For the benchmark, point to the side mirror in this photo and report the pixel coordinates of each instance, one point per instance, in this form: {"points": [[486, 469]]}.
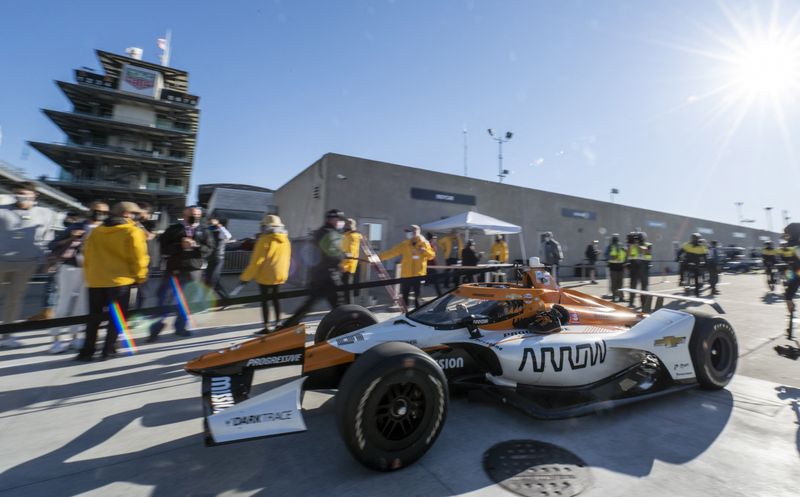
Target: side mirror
{"points": [[472, 321]]}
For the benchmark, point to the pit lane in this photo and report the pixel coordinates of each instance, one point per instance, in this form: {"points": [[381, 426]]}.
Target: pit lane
{"points": [[132, 426]]}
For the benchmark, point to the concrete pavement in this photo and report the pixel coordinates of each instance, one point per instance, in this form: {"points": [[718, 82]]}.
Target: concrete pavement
{"points": [[132, 426]]}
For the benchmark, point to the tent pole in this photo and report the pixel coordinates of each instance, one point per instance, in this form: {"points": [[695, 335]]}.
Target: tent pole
{"points": [[522, 246]]}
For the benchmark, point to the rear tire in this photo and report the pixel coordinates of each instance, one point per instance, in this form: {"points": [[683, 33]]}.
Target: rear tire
{"points": [[714, 351], [342, 320], [391, 406]]}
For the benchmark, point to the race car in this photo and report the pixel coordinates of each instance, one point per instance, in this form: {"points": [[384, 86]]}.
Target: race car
{"points": [[550, 351]]}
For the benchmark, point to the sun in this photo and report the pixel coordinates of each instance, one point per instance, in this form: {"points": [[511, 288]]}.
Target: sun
{"points": [[765, 67]]}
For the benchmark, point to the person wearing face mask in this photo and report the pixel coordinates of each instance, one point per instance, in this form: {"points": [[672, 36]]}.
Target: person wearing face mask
{"points": [[72, 298], [25, 230], [269, 266], [414, 251], [324, 275], [186, 245], [114, 259]]}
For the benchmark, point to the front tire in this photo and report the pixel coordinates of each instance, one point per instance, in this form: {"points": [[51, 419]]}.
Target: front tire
{"points": [[391, 406], [714, 351], [343, 320]]}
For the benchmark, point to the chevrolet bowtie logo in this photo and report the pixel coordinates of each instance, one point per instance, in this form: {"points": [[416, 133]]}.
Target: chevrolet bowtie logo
{"points": [[669, 341]]}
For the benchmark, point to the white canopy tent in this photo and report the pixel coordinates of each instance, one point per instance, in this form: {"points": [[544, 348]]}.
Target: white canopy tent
{"points": [[475, 221]]}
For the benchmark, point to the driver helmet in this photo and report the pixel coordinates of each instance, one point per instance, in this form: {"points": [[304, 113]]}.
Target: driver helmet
{"points": [[695, 238], [768, 244]]}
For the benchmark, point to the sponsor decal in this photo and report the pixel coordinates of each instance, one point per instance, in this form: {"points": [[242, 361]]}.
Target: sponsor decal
{"points": [[490, 295], [577, 357], [451, 362], [514, 333], [527, 296], [669, 341], [266, 417], [221, 394], [278, 359], [573, 317], [350, 339]]}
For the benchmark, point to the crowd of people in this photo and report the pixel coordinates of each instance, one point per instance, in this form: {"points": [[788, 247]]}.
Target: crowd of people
{"points": [[96, 262]]}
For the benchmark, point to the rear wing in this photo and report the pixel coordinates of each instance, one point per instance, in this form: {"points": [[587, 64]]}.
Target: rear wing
{"points": [[648, 307]]}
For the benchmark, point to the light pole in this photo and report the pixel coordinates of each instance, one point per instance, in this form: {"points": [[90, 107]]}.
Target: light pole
{"points": [[768, 210], [739, 210], [614, 191], [465, 150], [501, 173]]}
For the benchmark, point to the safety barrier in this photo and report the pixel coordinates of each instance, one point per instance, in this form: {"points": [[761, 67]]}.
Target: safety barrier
{"points": [[455, 272]]}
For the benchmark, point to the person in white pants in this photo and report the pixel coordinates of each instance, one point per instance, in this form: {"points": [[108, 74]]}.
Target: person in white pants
{"points": [[73, 296]]}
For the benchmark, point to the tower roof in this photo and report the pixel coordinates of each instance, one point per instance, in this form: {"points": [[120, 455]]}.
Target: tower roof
{"points": [[173, 78]]}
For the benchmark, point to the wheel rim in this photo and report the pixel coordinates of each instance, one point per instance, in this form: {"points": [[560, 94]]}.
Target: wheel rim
{"points": [[720, 354], [400, 411]]}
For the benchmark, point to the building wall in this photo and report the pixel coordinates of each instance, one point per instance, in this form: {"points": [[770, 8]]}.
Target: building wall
{"points": [[303, 200], [366, 189], [136, 114]]}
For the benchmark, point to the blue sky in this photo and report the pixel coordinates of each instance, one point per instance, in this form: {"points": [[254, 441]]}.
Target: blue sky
{"points": [[598, 94]]}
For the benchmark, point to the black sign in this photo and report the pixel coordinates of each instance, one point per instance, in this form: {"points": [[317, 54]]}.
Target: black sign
{"points": [[90, 78], [178, 97], [450, 198], [587, 215]]}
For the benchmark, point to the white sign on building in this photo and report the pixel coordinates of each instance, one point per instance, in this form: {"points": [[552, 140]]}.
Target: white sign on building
{"points": [[140, 81]]}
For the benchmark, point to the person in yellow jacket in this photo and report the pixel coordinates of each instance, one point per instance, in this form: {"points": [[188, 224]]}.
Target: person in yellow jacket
{"points": [[269, 266], [351, 246], [114, 259], [500, 249], [415, 252]]}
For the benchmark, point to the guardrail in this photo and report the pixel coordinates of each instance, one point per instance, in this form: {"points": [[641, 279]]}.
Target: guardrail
{"points": [[455, 272]]}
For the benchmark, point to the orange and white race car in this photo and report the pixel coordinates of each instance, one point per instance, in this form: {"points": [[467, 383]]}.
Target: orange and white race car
{"points": [[550, 351]]}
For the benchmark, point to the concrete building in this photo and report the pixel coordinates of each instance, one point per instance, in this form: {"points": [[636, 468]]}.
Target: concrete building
{"points": [[385, 198], [130, 134], [243, 206]]}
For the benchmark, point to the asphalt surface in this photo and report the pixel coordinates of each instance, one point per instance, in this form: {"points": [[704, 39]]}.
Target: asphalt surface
{"points": [[132, 426]]}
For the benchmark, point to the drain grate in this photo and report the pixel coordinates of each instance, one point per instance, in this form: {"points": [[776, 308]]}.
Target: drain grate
{"points": [[536, 469]]}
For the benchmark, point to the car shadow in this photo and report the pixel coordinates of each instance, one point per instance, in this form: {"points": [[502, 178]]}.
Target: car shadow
{"points": [[675, 430]]}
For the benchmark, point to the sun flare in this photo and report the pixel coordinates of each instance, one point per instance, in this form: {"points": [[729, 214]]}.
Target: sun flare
{"points": [[766, 67]]}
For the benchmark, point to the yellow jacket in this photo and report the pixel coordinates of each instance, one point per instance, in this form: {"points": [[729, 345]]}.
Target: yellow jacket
{"points": [[446, 247], [414, 257], [269, 262], [351, 246], [500, 251], [115, 255]]}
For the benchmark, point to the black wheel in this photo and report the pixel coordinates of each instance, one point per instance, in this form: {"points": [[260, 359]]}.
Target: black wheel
{"points": [[714, 351], [343, 319], [391, 406]]}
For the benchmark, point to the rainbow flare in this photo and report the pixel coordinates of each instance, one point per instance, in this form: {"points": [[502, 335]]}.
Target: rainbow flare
{"points": [[183, 307], [122, 327]]}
